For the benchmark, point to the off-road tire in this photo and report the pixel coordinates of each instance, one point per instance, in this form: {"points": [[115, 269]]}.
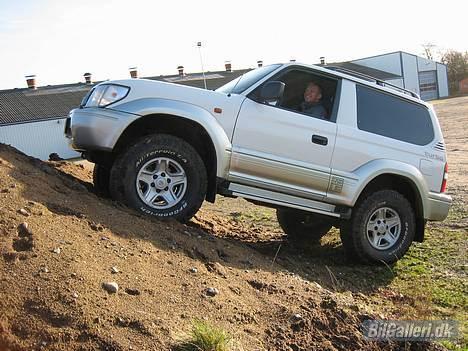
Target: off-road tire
{"points": [[126, 167], [101, 176], [303, 228], [353, 233]]}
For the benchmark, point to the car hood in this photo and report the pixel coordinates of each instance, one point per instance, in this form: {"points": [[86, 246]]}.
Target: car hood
{"points": [[145, 88]]}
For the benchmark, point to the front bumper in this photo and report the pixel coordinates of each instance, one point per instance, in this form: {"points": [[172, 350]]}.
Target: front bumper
{"points": [[96, 128], [438, 206]]}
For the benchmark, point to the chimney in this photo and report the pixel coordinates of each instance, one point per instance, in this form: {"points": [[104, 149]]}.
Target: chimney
{"points": [[181, 70], [133, 72], [31, 81], [322, 60], [227, 65], [87, 77], [259, 63]]}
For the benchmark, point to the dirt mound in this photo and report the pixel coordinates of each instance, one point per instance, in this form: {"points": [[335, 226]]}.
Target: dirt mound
{"points": [[60, 245]]}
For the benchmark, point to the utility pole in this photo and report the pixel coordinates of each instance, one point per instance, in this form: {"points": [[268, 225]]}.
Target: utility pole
{"points": [[201, 61]]}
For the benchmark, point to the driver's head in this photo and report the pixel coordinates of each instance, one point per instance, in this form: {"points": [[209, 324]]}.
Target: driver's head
{"points": [[313, 93]]}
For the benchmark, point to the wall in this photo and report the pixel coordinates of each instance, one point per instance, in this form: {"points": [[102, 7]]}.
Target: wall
{"points": [[410, 72], [442, 80], [426, 65], [388, 63], [38, 139]]}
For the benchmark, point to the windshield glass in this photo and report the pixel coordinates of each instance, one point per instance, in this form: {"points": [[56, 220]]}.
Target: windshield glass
{"points": [[245, 81]]}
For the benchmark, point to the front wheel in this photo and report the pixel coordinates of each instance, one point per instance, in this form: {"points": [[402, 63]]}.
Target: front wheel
{"points": [[381, 229], [162, 176]]}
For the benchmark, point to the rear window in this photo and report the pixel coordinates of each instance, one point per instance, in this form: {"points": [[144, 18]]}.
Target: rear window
{"points": [[393, 117]]}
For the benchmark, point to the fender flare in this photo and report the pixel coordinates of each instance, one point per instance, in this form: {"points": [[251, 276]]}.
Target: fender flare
{"points": [[179, 109]]}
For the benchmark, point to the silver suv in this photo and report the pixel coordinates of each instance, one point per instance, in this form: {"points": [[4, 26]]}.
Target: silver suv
{"points": [[360, 155]]}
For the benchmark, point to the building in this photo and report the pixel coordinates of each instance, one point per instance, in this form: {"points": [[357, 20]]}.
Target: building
{"points": [[463, 86], [33, 119], [425, 77]]}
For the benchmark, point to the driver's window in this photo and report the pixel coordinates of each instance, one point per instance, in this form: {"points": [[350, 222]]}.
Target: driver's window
{"points": [[308, 93]]}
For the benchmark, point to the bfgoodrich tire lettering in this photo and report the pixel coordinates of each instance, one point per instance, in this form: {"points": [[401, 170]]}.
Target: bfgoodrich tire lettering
{"points": [[355, 233], [150, 149]]}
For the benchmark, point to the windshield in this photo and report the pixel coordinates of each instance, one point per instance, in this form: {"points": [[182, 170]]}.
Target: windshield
{"points": [[245, 81]]}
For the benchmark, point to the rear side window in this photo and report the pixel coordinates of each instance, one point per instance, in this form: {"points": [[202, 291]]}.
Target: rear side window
{"points": [[393, 117]]}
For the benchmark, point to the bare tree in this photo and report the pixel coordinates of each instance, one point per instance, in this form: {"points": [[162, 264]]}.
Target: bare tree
{"points": [[457, 67], [428, 50]]}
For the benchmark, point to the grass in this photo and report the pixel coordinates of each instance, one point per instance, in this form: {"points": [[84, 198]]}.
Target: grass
{"points": [[205, 337], [429, 282]]}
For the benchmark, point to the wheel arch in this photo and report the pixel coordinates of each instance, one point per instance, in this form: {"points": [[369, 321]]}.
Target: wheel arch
{"points": [[405, 186], [187, 129]]}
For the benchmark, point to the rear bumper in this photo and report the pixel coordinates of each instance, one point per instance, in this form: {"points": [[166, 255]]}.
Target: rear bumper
{"points": [[96, 128], [438, 206]]}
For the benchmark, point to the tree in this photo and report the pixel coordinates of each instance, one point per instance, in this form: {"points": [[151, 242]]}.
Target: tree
{"points": [[457, 67], [428, 50]]}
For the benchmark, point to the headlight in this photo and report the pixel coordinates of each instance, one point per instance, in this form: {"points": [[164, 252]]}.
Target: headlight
{"points": [[106, 94]]}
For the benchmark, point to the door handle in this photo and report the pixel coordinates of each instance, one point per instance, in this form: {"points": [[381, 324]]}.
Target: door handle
{"points": [[318, 139]]}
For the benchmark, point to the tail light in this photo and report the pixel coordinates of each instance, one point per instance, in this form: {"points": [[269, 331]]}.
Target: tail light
{"points": [[444, 180]]}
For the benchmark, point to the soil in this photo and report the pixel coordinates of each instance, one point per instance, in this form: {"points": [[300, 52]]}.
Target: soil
{"points": [[59, 243]]}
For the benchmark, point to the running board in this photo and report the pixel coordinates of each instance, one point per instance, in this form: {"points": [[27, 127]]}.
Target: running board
{"points": [[283, 199]]}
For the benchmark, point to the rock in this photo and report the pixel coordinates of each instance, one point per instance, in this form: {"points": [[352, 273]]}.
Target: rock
{"points": [[110, 287], [193, 270], [44, 270], [4, 191], [57, 250], [217, 268], [133, 292], [114, 270], [75, 295], [24, 230], [73, 275], [23, 212], [211, 292], [296, 318]]}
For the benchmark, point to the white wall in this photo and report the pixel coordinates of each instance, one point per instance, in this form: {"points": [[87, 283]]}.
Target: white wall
{"points": [[398, 82], [442, 80], [410, 72], [388, 63], [426, 65], [38, 139]]}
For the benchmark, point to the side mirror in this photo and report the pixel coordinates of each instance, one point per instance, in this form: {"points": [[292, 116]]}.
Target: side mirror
{"points": [[272, 91]]}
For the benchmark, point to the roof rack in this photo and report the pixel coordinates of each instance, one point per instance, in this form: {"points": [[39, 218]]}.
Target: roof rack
{"points": [[372, 79]]}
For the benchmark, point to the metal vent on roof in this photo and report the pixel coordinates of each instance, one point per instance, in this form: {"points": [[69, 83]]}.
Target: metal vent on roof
{"points": [[440, 146]]}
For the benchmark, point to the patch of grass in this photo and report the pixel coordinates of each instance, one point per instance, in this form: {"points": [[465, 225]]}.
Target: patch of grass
{"points": [[205, 337]]}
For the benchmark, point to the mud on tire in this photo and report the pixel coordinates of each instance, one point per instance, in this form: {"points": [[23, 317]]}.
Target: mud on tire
{"points": [[177, 154]]}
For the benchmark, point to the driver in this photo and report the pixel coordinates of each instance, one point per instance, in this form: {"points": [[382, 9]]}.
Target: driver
{"points": [[312, 101]]}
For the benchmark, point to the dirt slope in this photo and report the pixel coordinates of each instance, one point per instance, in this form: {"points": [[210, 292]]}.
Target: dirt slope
{"points": [[53, 268]]}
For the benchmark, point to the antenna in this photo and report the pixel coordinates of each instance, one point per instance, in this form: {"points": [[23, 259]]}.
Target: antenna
{"points": [[199, 45]]}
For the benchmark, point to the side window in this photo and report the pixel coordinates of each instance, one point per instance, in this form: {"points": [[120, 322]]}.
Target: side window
{"points": [[393, 117], [306, 93]]}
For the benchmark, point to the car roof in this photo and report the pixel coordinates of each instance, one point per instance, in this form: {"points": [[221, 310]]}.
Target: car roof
{"points": [[372, 84]]}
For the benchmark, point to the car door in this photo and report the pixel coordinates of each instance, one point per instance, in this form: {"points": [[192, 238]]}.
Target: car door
{"points": [[284, 150]]}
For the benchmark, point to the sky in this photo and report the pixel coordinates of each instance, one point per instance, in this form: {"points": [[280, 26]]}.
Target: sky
{"points": [[60, 40]]}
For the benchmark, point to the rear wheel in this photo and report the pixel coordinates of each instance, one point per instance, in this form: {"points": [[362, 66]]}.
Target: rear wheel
{"points": [[303, 228], [101, 175], [162, 176], [381, 229]]}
